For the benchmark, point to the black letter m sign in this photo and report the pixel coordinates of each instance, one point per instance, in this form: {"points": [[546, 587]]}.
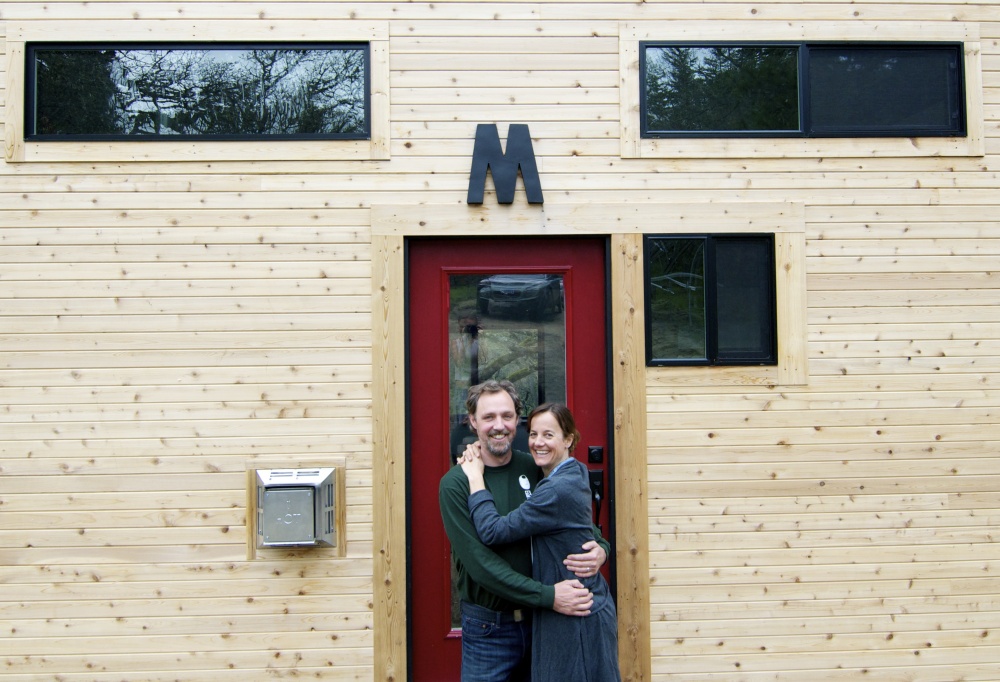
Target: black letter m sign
{"points": [[489, 155]]}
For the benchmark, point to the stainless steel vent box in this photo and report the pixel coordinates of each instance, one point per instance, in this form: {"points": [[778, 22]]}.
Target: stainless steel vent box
{"points": [[297, 507]]}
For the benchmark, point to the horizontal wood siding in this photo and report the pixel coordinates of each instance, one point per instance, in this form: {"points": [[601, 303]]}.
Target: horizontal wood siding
{"points": [[165, 324]]}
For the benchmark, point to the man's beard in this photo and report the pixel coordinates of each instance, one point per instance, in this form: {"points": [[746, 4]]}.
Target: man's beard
{"points": [[496, 449]]}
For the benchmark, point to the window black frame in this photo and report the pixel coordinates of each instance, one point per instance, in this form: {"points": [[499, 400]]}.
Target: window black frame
{"points": [[806, 128], [712, 357], [30, 90]]}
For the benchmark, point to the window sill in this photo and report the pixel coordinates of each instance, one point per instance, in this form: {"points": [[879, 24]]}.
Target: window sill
{"points": [[872, 147], [676, 376]]}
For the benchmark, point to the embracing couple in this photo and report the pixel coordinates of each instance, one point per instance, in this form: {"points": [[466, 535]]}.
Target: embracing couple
{"points": [[524, 549]]}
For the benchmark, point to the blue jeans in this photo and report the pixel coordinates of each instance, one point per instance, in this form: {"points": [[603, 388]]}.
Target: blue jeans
{"points": [[495, 647]]}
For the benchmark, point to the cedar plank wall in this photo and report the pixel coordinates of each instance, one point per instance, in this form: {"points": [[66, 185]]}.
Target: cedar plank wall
{"points": [[164, 323]]}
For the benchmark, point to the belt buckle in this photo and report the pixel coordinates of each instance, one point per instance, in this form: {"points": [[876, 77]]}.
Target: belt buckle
{"points": [[518, 615]]}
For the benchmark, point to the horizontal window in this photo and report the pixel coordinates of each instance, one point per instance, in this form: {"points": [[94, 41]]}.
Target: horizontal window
{"points": [[710, 300], [802, 89], [178, 91]]}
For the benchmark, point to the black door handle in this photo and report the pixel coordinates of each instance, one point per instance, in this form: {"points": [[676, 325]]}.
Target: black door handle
{"points": [[597, 494]]}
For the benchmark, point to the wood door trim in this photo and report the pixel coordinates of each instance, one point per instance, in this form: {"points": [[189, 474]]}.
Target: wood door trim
{"points": [[389, 467], [388, 459], [631, 472]]}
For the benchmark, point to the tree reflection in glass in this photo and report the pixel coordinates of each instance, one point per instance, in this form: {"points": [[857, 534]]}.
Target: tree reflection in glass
{"points": [[226, 92], [721, 88]]}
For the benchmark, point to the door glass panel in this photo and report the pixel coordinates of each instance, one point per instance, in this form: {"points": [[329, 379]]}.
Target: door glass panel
{"points": [[504, 326]]}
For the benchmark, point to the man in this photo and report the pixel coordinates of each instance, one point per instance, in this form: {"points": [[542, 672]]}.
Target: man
{"points": [[496, 592]]}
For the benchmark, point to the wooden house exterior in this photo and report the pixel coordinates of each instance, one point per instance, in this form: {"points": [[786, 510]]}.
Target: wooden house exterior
{"points": [[175, 315]]}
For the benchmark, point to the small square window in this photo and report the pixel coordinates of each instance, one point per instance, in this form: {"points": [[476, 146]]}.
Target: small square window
{"points": [[710, 300]]}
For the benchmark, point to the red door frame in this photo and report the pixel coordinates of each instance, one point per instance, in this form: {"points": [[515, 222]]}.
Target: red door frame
{"points": [[434, 649]]}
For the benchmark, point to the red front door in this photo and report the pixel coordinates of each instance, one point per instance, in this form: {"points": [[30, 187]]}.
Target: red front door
{"points": [[529, 310]]}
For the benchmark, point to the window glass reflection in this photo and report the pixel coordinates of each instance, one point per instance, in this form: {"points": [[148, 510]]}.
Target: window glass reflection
{"points": [[506, 326], [721, 88], [171, 91], [677, 298]]}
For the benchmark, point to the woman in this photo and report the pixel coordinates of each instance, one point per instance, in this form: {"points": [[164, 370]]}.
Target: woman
{"points": [[557, 517]]}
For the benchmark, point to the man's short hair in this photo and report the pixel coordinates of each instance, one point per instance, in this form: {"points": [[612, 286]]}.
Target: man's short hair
{"points": [[493, 386]]}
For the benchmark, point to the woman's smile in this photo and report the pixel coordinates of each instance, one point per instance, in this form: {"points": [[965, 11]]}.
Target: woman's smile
{"points": [[548, 444]]}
